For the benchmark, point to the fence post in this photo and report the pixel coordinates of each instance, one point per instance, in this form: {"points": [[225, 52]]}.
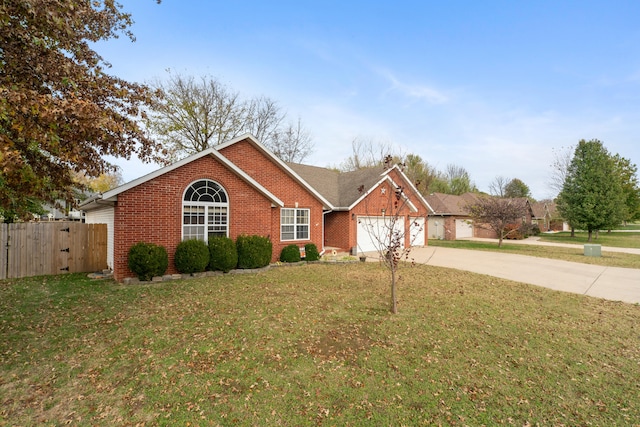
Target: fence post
{"points": [[4, 251]]}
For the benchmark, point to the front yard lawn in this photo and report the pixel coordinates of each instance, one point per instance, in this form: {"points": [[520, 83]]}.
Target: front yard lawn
{"points": [[620, 239], [315, 345]]}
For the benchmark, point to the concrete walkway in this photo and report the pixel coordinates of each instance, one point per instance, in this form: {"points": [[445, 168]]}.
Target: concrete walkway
{"points": [[612, 283]]}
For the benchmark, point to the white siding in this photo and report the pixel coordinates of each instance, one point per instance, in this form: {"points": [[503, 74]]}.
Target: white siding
{"points": [[104, 215], [417, 230]]}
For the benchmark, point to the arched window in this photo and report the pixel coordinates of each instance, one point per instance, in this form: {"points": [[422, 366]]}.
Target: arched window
{"points": [[205, 211]]}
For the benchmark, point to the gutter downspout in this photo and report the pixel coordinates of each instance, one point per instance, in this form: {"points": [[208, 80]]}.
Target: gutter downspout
{"points": [[323, 214]]}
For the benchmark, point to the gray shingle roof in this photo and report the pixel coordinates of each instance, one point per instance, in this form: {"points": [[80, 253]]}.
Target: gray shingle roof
{"points": [[450, 204], [339, 188]]}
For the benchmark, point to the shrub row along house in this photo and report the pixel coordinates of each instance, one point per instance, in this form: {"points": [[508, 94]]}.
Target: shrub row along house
{"points": [[242, 188]]}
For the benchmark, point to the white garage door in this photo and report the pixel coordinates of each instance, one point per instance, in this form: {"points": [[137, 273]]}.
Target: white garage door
{"points": [[373, 230], [417, 232], [464, 229]]}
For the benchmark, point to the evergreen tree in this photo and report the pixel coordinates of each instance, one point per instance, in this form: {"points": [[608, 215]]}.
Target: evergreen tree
{"points": [[592, 196]]}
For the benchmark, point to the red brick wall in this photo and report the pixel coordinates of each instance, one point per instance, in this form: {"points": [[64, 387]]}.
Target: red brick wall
{"points": [[483, 231], [337, 227], [152, 211], [255, 164], [345, 227]]}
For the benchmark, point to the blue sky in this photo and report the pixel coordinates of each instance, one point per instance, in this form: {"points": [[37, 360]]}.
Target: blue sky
{"points": [[493, 86]]}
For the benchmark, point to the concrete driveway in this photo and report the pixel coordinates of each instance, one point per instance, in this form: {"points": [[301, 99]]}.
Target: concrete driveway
{"points": [[612, 283]]}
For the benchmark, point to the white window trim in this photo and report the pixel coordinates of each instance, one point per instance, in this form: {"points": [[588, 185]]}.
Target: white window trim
{"points": [[207, 206], [296, 224]]}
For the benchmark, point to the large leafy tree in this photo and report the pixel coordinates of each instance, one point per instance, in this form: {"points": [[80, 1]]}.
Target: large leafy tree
{"points": [[60, 113], [592, 196], [627, 172], [454, 180], [517, 188]]}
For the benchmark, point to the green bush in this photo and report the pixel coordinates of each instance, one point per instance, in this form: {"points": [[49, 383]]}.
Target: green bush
{"points": [[148, 260], [535, 230], [253, 251], [192, 256], [223, 255], [290, 253], [311, 252]]}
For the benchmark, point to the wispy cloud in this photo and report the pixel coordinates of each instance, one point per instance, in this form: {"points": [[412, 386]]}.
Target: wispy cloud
{"points": [[415, 91]]}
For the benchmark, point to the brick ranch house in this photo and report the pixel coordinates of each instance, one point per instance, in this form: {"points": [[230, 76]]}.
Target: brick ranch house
{"points": [[450, 219], [241, 187]]}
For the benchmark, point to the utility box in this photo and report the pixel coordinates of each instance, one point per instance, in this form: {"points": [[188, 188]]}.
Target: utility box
{"points": [[593, 250]]}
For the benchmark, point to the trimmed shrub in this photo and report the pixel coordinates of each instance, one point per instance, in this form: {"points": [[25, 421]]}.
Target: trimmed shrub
{"points": [[192, 256], [253, 251], [223, 255], [311, 252], [148, 260], [290, 253]]}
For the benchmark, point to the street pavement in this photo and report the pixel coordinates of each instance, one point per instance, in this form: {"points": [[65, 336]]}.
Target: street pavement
{"points": [[612, 283]]}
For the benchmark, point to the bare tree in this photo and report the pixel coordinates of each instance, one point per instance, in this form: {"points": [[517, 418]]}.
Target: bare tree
{"points": [[366, 153], [559, 167], [497, 214], [498, 185], [191, 115], [390, 233], [292, 143], [264, 118]]}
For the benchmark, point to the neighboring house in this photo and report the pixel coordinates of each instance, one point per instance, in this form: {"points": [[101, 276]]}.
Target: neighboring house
{"points": [[546, 215], [240, 187], [451, 220], [68, 213]]}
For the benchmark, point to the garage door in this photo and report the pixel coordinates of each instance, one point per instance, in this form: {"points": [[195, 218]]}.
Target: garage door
{"points": [[373, 230], [417, 232], [464, 229]]}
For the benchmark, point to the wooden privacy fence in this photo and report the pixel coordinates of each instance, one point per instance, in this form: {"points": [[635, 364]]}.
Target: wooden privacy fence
{"points": [[43, 248]]}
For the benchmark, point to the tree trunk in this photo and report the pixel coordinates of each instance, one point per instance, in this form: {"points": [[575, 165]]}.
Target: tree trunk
{"points": [[589, 238], [394, 302], [573, 232]]}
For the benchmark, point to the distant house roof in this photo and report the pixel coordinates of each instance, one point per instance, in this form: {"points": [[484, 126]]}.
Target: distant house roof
{"points": [[539, 209], [451, 204]]}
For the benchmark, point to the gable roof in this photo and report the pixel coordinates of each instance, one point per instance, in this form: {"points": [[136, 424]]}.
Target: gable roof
{"points": [[112, 195], [284, 166], [343, 189]]}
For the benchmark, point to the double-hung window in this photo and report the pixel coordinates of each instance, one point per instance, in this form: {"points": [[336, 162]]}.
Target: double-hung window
{"points": [[294, 224], [205, 211]]}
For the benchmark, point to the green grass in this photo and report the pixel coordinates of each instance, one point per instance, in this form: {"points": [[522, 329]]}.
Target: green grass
{"points": [[314, 345], [608, 258], [615, 239]]}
